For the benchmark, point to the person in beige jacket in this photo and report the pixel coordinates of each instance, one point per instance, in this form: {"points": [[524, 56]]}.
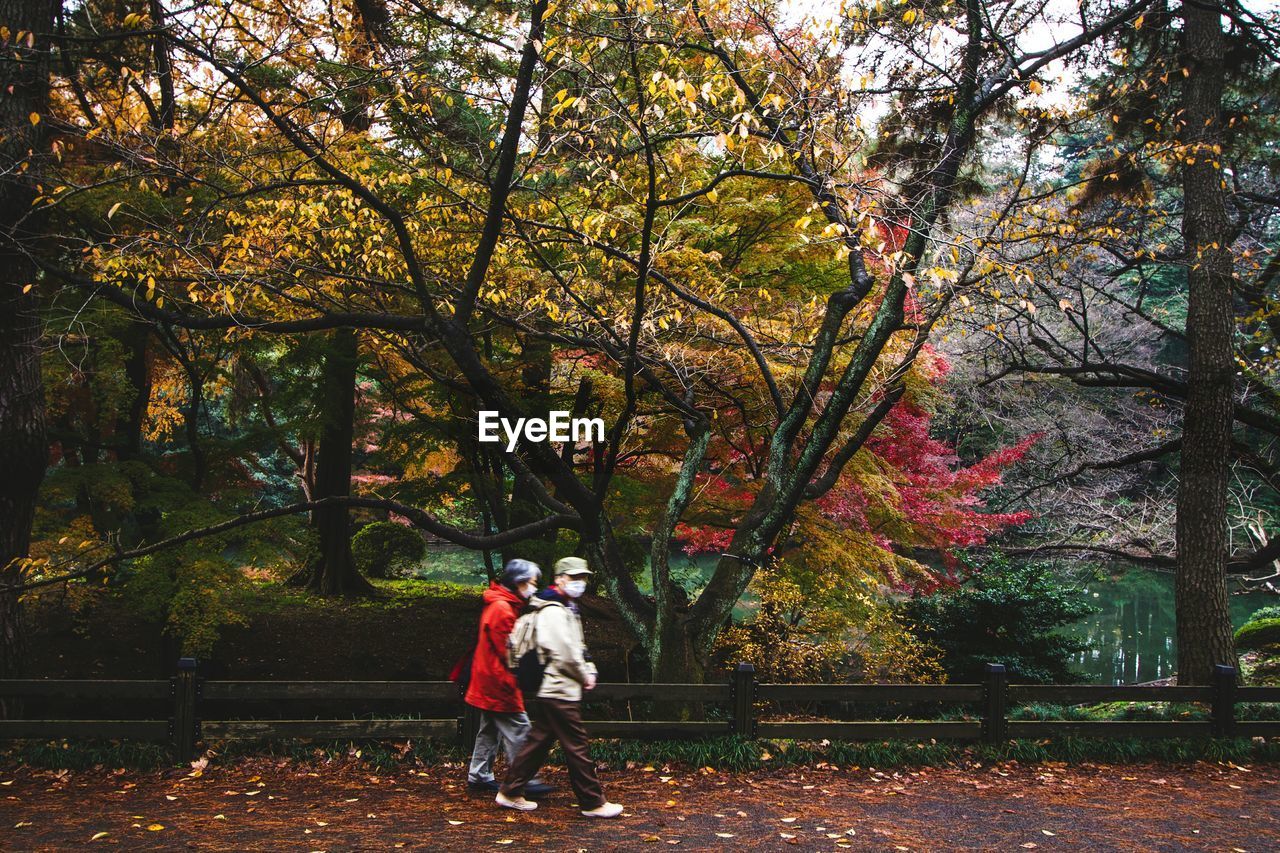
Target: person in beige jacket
{"points": [[557, 711]]}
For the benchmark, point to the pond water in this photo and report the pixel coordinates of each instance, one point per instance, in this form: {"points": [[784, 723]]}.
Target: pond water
{"points": [[1132, 636], [459, 565], [451, 563], [1130, 639]]}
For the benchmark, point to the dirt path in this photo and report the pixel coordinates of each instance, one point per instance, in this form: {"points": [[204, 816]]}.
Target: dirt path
{"points": [[263, 804]]}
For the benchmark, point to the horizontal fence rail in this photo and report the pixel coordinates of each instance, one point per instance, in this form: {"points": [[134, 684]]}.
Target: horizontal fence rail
{"points": [[873, 730], [366, 691], [871, 693], [329, 729], [1080, 694], [83, 688], [185, 697], [1035, 729]]}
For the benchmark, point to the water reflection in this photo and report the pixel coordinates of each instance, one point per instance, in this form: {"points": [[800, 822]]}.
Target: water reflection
{"points": [[1132, 637]]}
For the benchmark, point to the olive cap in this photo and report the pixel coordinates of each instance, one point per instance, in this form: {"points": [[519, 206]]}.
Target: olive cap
{"points": [[572, 566]]}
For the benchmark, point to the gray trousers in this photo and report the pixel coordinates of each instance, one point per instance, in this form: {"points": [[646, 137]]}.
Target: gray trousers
{"points": [[511, 729]]}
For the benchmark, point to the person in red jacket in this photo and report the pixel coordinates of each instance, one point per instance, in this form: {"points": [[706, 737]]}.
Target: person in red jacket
{"points": [[492, 688]]}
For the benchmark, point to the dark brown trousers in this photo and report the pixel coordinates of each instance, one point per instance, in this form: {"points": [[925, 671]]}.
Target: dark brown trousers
{"points": [[554, 720]]}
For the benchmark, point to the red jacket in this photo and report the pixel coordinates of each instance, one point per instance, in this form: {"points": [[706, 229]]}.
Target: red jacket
{"points": [[493, 687]]}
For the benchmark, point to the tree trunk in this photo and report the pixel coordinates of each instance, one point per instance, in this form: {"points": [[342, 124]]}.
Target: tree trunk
{"points": [[333, 572], [535, 379], [1204, 621], [163, 67], [676, 652], [24, 450], [191, 422], [128, 430], [677, 660]]}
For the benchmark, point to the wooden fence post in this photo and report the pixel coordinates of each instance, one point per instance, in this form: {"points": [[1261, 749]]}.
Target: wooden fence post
{"points": [[742, 694], [1224, 700], [994, 726], [184, 726]]}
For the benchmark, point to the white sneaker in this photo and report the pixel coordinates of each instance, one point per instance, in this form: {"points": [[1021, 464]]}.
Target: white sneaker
{"points": [[607, 810], [520, 804]]}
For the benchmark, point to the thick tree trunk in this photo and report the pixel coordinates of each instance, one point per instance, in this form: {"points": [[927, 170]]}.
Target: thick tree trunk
{"points": [[23, 448], [128, 431], [1204, 621], [24, 451], [333, 572], [678, 660]]}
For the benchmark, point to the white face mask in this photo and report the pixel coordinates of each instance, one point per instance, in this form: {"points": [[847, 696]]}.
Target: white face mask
{"points": [[527, 590], [574, 589]]}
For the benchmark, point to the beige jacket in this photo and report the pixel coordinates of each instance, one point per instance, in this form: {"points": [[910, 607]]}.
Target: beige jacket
{"points": [[563, 649]]}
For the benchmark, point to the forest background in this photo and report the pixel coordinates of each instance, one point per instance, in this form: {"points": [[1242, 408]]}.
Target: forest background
{"points": [[860, 292]]}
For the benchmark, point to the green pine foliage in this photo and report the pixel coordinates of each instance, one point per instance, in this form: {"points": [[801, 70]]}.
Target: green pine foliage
{"points": [[1005, 613]]}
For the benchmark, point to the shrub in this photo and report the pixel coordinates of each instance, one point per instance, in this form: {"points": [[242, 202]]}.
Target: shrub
{"points": [[193, 595], [781, 641], [383, 546], [1271, 611], [814, 626], [1257, 634], [1001, 613]]}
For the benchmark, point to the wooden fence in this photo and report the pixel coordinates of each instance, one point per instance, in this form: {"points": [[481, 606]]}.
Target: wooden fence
{"points": [[187, 697]]}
